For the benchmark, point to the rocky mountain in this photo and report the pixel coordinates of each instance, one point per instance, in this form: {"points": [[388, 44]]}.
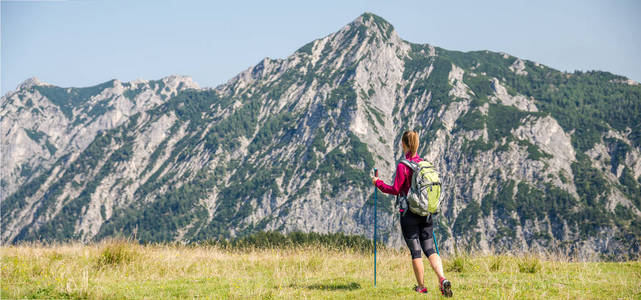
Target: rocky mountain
{"points": [[533, 159], [41, 123]]}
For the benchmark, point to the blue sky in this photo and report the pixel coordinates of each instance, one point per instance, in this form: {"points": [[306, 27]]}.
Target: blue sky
{"points": [[86, 42]]}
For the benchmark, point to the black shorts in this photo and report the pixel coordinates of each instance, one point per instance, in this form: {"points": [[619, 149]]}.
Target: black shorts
{"points": [[417, 232]]}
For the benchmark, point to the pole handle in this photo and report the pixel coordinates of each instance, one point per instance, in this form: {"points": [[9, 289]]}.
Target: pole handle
{"points": [[375, 172]]}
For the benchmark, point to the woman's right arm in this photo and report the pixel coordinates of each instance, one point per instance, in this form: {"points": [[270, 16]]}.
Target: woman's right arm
{"points": [[398, 181]]}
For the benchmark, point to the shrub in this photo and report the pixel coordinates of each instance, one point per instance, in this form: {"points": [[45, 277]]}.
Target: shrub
{"points": [[496, 263], [116, 252], [458, 264], [277, 240], [529, 264]]}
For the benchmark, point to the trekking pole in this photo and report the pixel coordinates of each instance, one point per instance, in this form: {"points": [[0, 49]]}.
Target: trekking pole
{"points": [[375, 175], [434, 238], [435, 244]]}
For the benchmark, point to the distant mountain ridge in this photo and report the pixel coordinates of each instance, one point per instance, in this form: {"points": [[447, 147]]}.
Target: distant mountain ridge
{"points": [[533, 159]]}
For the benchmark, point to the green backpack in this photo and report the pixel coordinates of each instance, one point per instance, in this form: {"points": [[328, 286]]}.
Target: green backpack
{"points": [[424, 196]]}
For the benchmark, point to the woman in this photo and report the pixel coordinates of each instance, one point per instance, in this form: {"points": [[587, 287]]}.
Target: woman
{"points": [[417, 230]]}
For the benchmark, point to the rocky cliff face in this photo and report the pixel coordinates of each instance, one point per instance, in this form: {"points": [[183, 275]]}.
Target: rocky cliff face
{"points": [[530, 159], [41, 122]]}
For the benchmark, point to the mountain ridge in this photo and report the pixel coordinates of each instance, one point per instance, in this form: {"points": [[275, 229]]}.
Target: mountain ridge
{"points": [[287, 145]]}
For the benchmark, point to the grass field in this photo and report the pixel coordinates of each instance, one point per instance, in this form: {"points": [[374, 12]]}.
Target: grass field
{"points": [[117, 270]]}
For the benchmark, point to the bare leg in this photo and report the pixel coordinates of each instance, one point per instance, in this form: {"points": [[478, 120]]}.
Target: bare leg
{"points": [[437, 265], [417, 265]]}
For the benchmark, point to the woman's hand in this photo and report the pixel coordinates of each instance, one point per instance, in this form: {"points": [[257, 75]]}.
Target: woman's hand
{"points": [[374, 179]]}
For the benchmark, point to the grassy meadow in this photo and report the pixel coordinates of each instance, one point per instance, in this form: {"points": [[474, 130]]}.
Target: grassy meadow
{"points": [[122, 270]]}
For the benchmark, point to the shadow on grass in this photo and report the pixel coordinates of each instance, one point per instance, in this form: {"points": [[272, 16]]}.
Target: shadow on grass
{"points": [[335, 286]]}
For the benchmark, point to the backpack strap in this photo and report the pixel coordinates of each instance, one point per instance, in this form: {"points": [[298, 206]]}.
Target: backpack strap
{"points": [[412, 165]]}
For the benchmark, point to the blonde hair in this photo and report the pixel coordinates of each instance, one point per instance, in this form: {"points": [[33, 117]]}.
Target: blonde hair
{"points": [[410, 139]]}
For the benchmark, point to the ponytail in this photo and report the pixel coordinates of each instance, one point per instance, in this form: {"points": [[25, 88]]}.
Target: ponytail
{"points": [[410, 140]]}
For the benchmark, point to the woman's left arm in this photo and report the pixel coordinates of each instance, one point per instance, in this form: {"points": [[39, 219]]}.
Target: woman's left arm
{"points": [[398, 182]]}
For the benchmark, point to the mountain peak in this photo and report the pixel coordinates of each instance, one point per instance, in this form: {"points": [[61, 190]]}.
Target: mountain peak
{"points": [[29, 82], [177, 79], [374, 24], [370, 19]]}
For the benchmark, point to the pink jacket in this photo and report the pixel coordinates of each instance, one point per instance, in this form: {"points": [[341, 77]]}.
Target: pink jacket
{"points": [[403, 178]]}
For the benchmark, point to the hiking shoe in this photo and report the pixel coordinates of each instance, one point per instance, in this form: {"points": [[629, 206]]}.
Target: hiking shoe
{"points": [[419, 290], [446, 288]]}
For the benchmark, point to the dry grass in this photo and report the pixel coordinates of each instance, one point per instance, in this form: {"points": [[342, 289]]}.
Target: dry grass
{"points": [[118, 269]]}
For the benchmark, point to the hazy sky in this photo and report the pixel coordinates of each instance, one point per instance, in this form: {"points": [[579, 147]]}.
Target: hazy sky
{"points": [[86, 42]]}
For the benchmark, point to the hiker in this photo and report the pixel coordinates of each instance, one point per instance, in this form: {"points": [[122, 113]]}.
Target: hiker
{"points": [[417, 230]]}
